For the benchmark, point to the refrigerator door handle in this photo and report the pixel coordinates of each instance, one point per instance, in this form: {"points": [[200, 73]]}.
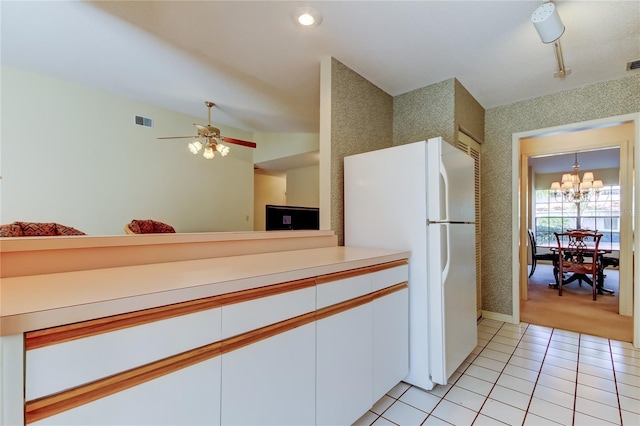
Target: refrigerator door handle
{"points": [[447, 253], [444, 191]]}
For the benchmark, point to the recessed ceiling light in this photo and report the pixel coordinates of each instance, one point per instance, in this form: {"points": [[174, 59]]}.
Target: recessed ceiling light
{"points": [[307, 17]]}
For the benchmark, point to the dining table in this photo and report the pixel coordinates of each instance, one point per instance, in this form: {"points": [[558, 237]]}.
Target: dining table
{"points": [[604, 247]]}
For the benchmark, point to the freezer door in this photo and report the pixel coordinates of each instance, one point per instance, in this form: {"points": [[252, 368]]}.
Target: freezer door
{"points": [[453, 331], [451, 172]]}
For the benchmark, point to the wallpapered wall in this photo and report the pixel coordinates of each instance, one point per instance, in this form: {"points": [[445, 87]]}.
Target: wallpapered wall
{"points": [[361, 121], [601, 100], [362, 115], [469, 114], [424, 113]]}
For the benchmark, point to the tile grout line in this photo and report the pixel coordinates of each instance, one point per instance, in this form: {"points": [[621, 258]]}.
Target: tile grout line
{"points": [[494, 332], [501, 372], [615, 381], [575, 388], [535, 384]]}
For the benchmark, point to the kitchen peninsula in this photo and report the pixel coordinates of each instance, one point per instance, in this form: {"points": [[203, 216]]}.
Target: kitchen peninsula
{"points": [[309, 335]]}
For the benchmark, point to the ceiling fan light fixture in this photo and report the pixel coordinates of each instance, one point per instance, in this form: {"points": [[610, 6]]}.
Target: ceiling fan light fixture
{"points": [[222, 149], [307, 17], [547, 22], [208, 153], [195, 147]]}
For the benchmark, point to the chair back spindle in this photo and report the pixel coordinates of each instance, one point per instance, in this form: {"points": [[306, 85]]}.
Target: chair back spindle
{"points": [[577, 253]]}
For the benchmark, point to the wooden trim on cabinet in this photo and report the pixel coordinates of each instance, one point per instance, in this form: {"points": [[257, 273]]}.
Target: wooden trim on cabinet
{"points": [[257, 293], [236, 342], [343, 306], [327, 278], [50, 405], [388, 290], [65, 333]]}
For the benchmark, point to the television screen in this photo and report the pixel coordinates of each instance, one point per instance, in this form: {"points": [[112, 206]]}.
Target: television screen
{"points": [[280, 218]]}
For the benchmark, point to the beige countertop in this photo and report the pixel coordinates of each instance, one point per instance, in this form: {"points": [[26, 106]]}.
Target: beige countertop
{"points": [[41, 301]]}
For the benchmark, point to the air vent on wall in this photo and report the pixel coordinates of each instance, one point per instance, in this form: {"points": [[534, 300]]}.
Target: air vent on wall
{"points": [[633, 65], [144, 121]]}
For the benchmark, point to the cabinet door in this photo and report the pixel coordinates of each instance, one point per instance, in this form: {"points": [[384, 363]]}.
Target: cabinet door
{"points": [[271, 382], [187, 396], [72, 372], [54, 368], [390, 341], [344, 366]]}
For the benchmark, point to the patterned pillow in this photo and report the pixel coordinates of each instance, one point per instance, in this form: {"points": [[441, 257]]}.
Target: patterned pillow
{"points": [[35, 229], [67, 230], [133, 226], [11, 230], [162, 227], [144, 226]]}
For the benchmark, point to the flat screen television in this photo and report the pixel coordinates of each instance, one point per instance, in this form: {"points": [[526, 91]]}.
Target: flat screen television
{"points": [[280, 218]]}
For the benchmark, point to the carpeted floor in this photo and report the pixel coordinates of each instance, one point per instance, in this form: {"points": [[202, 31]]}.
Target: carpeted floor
{"points": [[575, 310]]}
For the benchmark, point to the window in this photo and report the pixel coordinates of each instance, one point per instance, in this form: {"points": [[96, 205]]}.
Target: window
{"points": [[555, 215]]}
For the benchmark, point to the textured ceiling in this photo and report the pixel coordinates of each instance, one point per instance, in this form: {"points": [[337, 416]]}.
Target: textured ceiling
{"points": [[263, 71]]}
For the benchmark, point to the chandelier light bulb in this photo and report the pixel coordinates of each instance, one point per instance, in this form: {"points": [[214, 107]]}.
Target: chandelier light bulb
{"points": [[573, 190], [195, 147], [208, 153], [222, 149]]}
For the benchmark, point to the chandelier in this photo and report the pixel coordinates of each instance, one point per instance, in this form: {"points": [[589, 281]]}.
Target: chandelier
{"points": [[573, 190]]}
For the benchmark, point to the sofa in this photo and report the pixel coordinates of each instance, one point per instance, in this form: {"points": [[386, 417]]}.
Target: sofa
{"points": [[148, 226], [37, 229]]}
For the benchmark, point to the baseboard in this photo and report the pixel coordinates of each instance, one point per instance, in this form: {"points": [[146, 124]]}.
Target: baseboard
{"points": [[498, 317]]}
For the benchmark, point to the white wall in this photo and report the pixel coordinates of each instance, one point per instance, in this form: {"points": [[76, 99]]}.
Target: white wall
{"points": [[73, 155], [278, 145], [303, 186], [269, 189]]}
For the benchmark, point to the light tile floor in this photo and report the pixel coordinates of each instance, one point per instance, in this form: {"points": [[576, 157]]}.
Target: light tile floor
{"points": [[525, 375]]}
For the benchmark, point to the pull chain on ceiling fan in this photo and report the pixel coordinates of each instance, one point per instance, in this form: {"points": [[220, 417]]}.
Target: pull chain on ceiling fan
{"points": [[213, 139]]}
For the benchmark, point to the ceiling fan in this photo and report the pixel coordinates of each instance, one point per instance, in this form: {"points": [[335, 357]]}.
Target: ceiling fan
{"points": [[213, 138]]}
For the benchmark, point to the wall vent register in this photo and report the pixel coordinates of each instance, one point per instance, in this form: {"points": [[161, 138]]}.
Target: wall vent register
{"points": [[143, 121]]}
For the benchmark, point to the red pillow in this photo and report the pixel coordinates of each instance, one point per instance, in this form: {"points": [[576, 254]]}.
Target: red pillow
{"points": [[162, 227], [35, 229], [67, 230], [133, 226], [11, 230], [144, 226]]}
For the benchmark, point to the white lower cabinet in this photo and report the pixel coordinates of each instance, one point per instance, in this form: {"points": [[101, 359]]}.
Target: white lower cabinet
{"points": [[271, 382], [322, 354], [390, 341], [53, 368], [344, 364], [188, 396]]}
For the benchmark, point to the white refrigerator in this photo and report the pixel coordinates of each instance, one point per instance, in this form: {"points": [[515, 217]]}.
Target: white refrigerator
{"points": [[420, 197]]}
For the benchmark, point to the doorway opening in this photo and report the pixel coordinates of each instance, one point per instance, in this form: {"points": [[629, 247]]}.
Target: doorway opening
{"points": [[622, 132]]}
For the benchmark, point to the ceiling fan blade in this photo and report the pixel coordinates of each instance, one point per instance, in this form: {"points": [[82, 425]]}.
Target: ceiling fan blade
{"points": [[180, 137], [239, 142]]}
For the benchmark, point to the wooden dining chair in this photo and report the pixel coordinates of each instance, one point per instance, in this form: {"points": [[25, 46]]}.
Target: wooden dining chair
{"points": [[535, 256], [578, 255]]}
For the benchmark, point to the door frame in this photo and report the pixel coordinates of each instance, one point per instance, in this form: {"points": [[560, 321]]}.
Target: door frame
{"points": [[519, 215]]}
